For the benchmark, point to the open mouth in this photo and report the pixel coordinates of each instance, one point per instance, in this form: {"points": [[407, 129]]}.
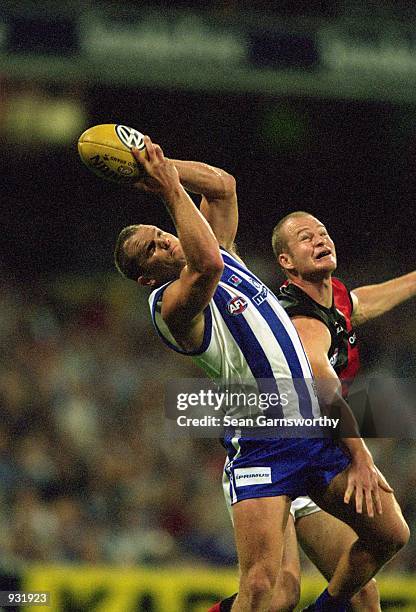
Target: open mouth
{"points": [[323, 254]]}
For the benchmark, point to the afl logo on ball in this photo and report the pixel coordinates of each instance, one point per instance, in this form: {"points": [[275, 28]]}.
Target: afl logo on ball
{"points": [[237, 305], [130, 137], [124, 170]]}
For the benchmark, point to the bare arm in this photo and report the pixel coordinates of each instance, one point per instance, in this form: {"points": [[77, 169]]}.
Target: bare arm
{"points": [[374, 300], [219, 198], [186, 298], [363, 476]]}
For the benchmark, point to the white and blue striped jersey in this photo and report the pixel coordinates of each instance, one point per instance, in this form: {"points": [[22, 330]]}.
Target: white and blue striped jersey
{"points": [[249, 340]]}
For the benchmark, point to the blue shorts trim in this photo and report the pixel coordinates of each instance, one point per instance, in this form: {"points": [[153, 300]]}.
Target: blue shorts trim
{"points": [[292, 467]]}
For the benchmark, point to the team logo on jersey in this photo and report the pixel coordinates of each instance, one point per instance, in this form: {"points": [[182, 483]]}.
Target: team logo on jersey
{"points": [[334, 358], [262, 292], [338, 327], [235, 280], [237, 305], [260, 296], [352, 338]]}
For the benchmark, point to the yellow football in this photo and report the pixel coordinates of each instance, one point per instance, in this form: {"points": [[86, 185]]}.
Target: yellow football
{"points": [[106, 150]]}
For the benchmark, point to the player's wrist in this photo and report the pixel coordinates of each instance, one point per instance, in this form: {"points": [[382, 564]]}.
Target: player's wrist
{"points": [[175, 199], [357, 448]]}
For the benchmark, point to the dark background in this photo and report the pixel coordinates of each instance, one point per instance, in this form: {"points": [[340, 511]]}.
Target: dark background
{"points": [[349, 163], [87, 473]]}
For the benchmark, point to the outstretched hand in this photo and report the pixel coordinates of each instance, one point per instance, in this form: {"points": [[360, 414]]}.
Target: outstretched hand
{"points": [[159, 173], [365, 481]]}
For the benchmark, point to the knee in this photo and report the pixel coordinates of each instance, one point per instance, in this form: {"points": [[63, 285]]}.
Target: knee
{"points": [[367, 598], [286, 595], [390, 542], [397, 537], [259, 581], [403, 535]]}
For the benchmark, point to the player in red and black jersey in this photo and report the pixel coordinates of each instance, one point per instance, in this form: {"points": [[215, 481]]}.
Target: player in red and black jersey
{"points": [[343, 353], [325, 314]]}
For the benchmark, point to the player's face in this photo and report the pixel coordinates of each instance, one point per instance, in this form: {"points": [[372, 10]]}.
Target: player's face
{"points": [[310, 250], [159, 254]]}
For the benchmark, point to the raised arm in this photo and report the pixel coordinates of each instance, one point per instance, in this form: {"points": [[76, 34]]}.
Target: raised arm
{"points": [[372, 301], [185, 299], [219, 198], [363, 477]]}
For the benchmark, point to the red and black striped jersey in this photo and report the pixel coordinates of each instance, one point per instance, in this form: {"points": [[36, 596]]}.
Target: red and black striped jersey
{"points": [[343, 353]]}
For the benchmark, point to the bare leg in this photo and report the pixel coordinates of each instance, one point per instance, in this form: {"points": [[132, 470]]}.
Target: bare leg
{"points": [[286, 593], [324, 539], [259, 526], [379, 538]]}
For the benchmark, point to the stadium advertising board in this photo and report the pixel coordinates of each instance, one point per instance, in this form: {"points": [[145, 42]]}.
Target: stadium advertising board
{"points": [[170, 590]]}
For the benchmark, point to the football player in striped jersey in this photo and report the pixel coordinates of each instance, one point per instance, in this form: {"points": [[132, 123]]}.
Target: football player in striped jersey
{"points": [[207, 304]]}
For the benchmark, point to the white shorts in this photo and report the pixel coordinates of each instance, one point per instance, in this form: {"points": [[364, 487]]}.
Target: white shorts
{"points": [[302, 506]]}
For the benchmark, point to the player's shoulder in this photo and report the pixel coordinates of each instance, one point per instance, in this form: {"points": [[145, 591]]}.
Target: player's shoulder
{"points": [[298, 303], [231, 253], [290, 294]]}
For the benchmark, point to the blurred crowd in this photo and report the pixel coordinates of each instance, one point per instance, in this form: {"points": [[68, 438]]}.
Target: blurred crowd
{"points": [[289, 8], [88, 471]]}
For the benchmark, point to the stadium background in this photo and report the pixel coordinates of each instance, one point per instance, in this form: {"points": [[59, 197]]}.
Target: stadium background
{"points": [[96, 503]]}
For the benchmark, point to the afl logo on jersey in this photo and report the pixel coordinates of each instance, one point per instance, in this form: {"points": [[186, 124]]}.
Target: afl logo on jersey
{"points": [[237, 305]]}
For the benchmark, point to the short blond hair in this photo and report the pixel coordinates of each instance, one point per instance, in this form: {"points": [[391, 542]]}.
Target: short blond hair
{"points": [[279, 241]]}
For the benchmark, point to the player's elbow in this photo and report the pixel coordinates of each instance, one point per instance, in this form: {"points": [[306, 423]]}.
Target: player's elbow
{"points": [[205, 281], [209, 267], [228, 185], [328, 390], [213, 266]]}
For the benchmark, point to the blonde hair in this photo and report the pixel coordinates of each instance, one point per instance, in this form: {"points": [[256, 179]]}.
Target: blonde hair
{"points": [[279, 242]]}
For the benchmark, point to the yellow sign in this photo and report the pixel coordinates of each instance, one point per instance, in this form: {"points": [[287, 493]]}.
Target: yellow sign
{"points": [[88, 589]]}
